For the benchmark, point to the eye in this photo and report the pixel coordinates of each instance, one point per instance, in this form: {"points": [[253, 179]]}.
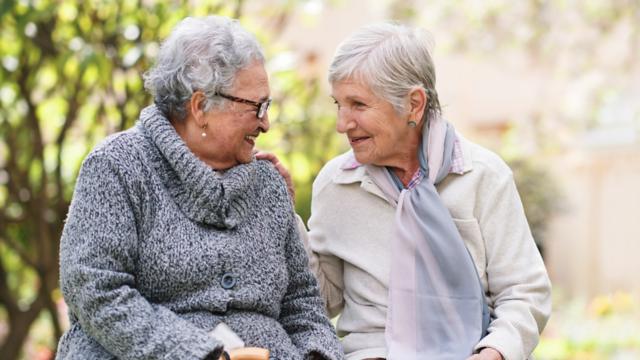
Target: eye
{"points": [[358, 104]]}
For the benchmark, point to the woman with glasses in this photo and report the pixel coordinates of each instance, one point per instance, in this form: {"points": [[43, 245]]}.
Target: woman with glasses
{"points": [[175, 228]]}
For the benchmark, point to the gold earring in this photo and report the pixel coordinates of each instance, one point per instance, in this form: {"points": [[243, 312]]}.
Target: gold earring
{"points": [[204, 130], [412, 124]]}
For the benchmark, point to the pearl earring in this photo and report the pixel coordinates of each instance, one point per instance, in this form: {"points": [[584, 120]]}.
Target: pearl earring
{"points": [[204, 130]]}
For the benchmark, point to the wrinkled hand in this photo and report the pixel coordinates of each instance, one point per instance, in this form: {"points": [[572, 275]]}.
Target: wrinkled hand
{"points": [[262, 155], [486, 354]]}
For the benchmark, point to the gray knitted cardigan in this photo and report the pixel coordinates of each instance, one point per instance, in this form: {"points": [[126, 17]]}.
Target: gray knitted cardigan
{"points": [[158, 248]]}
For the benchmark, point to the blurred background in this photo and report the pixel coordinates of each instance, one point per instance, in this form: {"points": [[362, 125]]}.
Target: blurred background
{"points": [[552, 86]]}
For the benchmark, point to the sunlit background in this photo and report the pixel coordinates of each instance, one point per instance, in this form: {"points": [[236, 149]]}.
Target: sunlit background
{"points": [[552, 86]]}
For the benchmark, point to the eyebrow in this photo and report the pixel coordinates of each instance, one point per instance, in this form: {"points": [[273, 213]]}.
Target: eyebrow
{"points": [[351, 98], [357, 98]]}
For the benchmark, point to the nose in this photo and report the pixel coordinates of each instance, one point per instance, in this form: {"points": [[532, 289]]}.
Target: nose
{"points": [[264, 123], [345, 121]]}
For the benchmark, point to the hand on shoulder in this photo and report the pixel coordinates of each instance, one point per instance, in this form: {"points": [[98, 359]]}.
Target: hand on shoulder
{"points": [[262, 155]]}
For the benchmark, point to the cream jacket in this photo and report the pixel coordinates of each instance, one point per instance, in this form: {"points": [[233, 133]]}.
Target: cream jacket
{"points": [[348, 243]]}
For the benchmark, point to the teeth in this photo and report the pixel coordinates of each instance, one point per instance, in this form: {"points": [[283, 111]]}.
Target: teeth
{"points": [[250, 137]]}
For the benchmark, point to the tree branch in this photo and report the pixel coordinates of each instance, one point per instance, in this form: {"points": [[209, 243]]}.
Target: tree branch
{"points": [[237, 13], [5, 294], [20, 251], [43, 39], [49, 282], [74, 107], [17, 178], [32, 118]]}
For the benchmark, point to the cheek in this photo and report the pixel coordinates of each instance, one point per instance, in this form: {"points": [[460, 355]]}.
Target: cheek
{"points": [[397, 130], [233, 136], [389, 139]]}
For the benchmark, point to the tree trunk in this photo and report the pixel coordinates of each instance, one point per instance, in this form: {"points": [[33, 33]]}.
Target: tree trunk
{"points": [[19, 324]]}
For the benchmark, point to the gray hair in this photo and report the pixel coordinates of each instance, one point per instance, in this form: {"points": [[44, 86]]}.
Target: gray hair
{"points": [[200, 54], [390, 58]]}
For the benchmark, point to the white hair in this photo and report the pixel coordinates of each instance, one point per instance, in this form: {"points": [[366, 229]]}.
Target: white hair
{"points": [[200, 54], [390, 58]]}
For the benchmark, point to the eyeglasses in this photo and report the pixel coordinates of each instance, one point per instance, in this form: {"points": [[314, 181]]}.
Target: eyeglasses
{"points": [[261, 107]]}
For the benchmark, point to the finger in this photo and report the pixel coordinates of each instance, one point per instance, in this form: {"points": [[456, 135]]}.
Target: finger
{"points": [[263, 155], [282, 170]]}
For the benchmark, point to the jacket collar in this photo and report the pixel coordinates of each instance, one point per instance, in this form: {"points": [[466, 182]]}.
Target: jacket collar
{"points": [[354, 174], [465, 148]]}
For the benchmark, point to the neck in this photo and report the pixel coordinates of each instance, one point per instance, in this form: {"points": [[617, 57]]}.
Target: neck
{"points": [[409, 163], [192, 137], [406, 171]]}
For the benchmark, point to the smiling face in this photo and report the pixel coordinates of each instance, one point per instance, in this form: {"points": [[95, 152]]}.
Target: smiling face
{"points": [[231, 131], [376, 133]]}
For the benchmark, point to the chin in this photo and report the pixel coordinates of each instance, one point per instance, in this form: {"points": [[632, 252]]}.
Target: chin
{"points": [[363, 159], [245, 159]]}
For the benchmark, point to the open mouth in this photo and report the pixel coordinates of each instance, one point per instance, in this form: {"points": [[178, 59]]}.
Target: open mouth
{"points": [[251, 139], [355, 140]]}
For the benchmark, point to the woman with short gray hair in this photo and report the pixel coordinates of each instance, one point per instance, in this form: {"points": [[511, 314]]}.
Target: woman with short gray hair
{"points": [[179, 244], [417, 235]]}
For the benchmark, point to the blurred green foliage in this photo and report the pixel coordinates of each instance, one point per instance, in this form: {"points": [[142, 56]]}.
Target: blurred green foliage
{"points": [[540, 194]]}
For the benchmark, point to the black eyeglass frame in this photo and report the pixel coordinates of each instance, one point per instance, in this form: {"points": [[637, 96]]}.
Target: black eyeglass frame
{"points": [[261, 107]]}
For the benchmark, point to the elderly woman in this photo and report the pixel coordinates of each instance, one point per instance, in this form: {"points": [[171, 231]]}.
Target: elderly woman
{"points": [[418, 236], [175, 228]]}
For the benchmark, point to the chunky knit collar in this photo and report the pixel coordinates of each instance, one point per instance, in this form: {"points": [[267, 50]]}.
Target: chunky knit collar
{"points": [[203, 194]]}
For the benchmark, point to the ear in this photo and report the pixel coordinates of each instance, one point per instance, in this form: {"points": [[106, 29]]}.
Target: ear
{"points": [[196, 106], [417, 104]]}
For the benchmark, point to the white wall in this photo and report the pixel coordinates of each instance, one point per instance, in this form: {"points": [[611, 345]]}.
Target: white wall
{"points": [[594, 244]]}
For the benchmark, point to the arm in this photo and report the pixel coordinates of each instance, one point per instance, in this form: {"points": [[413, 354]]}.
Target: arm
{"points": [[518, 286], [327, 268], [303, 315], [97, 275]]}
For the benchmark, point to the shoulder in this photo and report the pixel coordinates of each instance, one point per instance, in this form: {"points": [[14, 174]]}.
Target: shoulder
{"points": [[485, 163], [122, 150], [271, 184], [121, 145], [120, 157], [268, 176], [266, 171], [108, 171], [485, 178]]}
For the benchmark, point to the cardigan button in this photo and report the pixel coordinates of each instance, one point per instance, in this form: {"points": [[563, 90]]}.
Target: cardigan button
{"points": [[227, 281]]}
